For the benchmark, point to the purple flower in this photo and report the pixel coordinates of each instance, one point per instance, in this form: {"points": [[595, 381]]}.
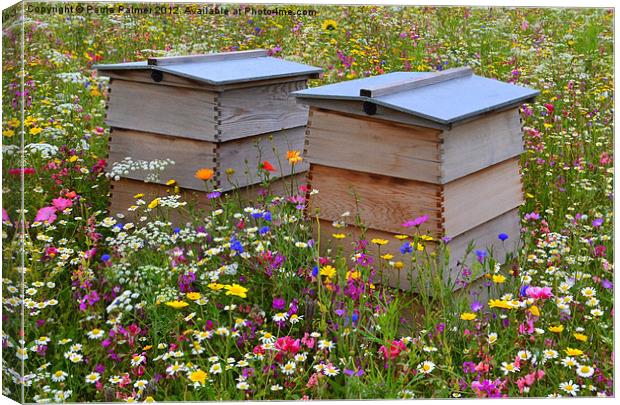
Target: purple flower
{"points": [[607, 284], [532, 216], [481, 254], [213, 194], [415, 222], [476, 306], [278, 303], [597, 222]]}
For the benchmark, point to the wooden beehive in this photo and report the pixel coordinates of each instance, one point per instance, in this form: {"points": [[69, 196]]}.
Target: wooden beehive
{"points": [[221, 111], [403, 145]]}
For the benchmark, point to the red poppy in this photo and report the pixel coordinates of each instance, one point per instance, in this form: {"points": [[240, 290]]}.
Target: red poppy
{"points": [[267, 166]]}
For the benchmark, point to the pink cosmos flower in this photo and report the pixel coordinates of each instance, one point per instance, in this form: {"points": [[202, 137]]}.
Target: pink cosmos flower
{"points": [[46, 214], [62, 204], [539, 292]]}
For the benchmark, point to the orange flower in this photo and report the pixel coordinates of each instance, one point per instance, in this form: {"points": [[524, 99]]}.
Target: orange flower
{"points": [[204, 174], [293, 157]]}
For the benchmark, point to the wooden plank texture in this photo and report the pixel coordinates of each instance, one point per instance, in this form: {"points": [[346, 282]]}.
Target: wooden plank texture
{"points": [[124, 190], [416, 83], [259, 110], [373, 146], [164, 110], [481, 196], [189, 155], [244, 156], [481, 143], [382, 202]]}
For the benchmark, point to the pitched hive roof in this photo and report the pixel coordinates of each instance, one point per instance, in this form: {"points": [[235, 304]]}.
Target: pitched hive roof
{"points": [[220, 68], [443, 97]]}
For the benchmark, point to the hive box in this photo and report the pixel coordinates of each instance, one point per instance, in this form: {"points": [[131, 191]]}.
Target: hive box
{"points": [[221, 111], [402, 145]]}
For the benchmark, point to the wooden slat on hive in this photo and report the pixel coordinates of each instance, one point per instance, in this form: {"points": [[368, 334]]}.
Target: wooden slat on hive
{"points": [[481, 196], [189, 155], [259, 110], [164, 110], [124, 190], [244, 156], [478, 144], [373, 146], [383, 202]]}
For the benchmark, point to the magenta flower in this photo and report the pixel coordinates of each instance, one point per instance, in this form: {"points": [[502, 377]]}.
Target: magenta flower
{"points": [[539, 292], [62, 204], [46, 214], [415, 222], [5, 216]]}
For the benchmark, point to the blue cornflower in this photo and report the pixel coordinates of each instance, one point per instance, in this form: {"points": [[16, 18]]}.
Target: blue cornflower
{"points": [[503, 236], [105, 257], [406, 248], [263, 230]]}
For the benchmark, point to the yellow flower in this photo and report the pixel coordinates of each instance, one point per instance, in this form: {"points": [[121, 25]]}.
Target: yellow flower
{"points": [[72, 158], [13, 123], [215, 286], [154, 203], [8, 133], [534, 310], [499, 304], [580, 337], [387, 256], [230, 171], [399, 265], [35, 131], [419, 247], [328, 271], [329, 25], [139, 195], [468, 316], [556, 329], [237, 290], [401, 237], [293, 157], [198, 376], [171, 182], [95, 93], [426, 237], [177, 304], [573, 352], [339, 235], [379, 242], [194, 296], [498, 278], [353, 275]]}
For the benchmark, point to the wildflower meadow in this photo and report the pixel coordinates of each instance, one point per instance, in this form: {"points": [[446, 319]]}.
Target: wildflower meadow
{"points": [[243, 301]]}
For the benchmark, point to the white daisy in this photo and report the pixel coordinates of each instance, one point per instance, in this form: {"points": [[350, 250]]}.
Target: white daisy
{"points": [[569, 388], [584, 370], [289, 368], [59, 376], [508, 368], [426, 367], [93, 377]]}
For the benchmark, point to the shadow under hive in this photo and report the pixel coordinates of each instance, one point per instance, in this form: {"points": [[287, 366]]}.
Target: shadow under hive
{"points": [[402, 145], [220, 111]]}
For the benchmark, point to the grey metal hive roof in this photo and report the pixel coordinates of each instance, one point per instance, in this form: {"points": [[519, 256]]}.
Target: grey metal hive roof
{"points": [[221, 72], [445, 102]]}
